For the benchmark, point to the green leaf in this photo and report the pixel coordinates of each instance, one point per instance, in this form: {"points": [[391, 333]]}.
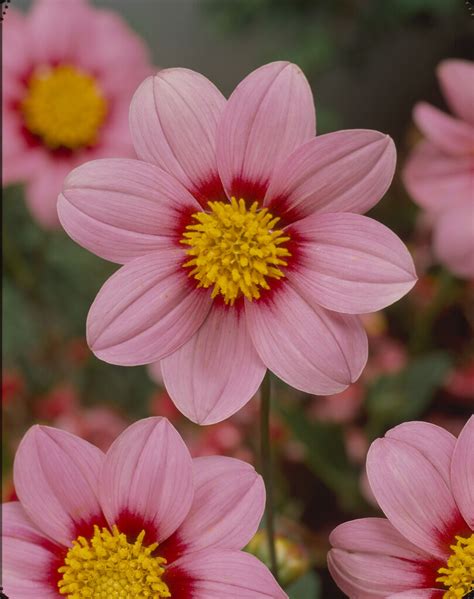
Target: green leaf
{"points": [[406, 395], [307, 587], [326, 455]]}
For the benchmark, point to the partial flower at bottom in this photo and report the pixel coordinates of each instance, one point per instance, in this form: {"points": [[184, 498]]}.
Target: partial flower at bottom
{"points": [[423, 479], [143, 520]]}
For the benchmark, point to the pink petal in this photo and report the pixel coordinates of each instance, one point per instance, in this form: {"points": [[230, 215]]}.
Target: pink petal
{"points": [[462, 472], [173, 122], [270, 114], [42, 192], [445, 132], [56, 30], [156, 373], [346, 171], [418, 594], [219, 573], [148, 476], [110, 40], [457, 80], [217, 371], [308, 347], [121, 209], [436, 180], [350, 263], [16, 56], [454, 239], [371, 574], [56, 476], [27, 556], [377, 536], [229, 502], [434, 442], [414, 496], [146, 310], [19, 162]]}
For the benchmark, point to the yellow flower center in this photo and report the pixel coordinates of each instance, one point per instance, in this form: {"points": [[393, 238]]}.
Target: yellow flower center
{"points": [[109, 567], [235, 249], [64, 106], [458, 576]]}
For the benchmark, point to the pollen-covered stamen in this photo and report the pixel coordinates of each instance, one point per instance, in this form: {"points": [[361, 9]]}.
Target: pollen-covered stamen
{"points": [[108, 566], [64, 106], [235, 249], [458, 575]]}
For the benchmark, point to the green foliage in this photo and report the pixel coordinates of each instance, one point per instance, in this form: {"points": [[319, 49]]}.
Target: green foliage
{"points": [[326, 455], [404, 396], [307, 587]]}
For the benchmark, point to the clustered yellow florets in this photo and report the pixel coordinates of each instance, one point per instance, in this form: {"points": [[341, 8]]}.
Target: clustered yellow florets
{"points": [[235, 249], [109, 567], [458, 575], [64, 106]]}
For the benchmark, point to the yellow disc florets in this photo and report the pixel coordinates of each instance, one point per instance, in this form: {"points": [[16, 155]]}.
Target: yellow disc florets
{"points": [[235, 249], [109, 567], [458, 575], [64, 106]]}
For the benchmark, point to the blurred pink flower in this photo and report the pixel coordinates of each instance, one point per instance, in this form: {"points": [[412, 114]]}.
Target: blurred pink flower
{"points": [[423, 479], [211, 287], [440, 172], [460, 382], [142, 520], [342, 407], [98, 425], [69, 72]]}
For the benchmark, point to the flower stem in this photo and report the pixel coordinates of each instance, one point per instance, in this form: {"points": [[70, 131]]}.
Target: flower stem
{"points": [[266, 464]]}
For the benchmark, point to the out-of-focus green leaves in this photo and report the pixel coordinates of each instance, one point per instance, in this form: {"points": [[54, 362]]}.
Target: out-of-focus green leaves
{"points": [[326, 455], [404, 396], [307, 587]]}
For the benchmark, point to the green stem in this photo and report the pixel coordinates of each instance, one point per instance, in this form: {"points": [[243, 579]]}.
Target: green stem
{"points": [[266, 463]]}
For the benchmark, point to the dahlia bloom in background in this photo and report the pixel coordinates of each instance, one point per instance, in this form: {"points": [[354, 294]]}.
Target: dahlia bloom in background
{"points": [[241, 239], [423, 479], [143, 520], [440, 172], [69, 72]]}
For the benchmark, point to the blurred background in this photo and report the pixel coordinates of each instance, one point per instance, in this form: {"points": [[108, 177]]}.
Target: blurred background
{"points": [[368, 62]]}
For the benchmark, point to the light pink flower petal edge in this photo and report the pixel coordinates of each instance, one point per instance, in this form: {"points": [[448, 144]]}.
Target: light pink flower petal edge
{"points": [[146, 470], [462, 472], [447, 133], [413, 494], [308, 347], [457, 80], [437, 181], [222, 369], [269, 114], [218, 573], [121, 209], [350, 263], [173, 123], [454, 239], [24, 549], [146, 310], [228, 505], [56, 478], [345, 171]]}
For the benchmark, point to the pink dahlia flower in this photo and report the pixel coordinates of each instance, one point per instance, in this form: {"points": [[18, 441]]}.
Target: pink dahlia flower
{"points": [[142, 520], [440, 172], [423, 479], [69, 72], [241, 245]]}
